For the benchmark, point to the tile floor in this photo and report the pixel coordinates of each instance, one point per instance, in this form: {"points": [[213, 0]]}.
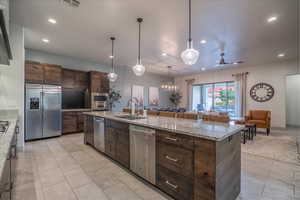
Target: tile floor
{"points": [[66, 169]]}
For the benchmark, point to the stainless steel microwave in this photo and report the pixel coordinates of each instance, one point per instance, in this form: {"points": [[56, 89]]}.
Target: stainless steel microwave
{"points": [[99, 101]]}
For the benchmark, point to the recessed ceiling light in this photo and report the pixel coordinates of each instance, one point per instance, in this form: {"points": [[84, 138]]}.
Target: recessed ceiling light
{"points": [[111, 56], [52, 21], [281, 55], [202, 69], [164, 54], [45, 40], [272, 19], [203, 41]]}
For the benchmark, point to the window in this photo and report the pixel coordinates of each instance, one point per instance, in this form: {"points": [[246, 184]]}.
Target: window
{"points": [[216, 96]]}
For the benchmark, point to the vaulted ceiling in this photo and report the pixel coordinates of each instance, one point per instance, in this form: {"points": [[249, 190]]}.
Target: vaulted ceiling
{"points": [[237, 27]]}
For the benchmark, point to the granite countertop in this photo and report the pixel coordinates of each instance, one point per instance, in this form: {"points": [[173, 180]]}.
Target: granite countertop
{"points": [[5, 139], [77, 110], [198, 128]]}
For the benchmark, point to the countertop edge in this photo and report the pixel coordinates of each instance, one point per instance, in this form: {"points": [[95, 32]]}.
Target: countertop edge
{"points": [[166, 129]]}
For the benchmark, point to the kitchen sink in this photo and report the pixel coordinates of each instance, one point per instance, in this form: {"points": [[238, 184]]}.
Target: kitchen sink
{"points": [[130, 117]]}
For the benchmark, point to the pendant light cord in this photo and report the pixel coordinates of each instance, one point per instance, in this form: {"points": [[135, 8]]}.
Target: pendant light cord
{"points": [[190, 23], [139, 45], [112, 53]]}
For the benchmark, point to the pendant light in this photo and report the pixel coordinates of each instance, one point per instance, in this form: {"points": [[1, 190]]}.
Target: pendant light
{"points": [[139, 69], [169, 86], [190, 55], [112, 76]]}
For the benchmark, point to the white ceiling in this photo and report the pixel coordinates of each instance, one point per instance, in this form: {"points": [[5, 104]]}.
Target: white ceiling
{"points": [[238, 26]]}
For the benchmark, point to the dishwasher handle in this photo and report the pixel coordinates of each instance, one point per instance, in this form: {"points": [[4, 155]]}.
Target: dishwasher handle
{"points": [[99, 119], [141, 130]]}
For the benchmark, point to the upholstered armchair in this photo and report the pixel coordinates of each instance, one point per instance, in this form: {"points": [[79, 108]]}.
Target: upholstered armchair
{"points": [[262, 119]]}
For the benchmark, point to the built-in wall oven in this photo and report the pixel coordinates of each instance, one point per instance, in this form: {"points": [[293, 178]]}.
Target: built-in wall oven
{"points": [[99, 101]]}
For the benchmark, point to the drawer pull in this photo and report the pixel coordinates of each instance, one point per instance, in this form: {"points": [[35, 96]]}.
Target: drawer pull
{"points": [[172, 139], [172, 159], [172, 185]]}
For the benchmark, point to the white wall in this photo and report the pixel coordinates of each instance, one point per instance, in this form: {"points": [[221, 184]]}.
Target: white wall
{"points": [[12, 78], [292, 100], [126, 77], [274, 74]]}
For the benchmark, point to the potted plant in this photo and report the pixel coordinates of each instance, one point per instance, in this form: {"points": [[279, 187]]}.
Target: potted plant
{"points": [[175, 98], [114, 97]]}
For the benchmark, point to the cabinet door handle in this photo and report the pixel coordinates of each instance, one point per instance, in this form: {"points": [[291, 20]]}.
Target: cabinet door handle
{"points": [[172, 159], [172, 185], [172, 139]]}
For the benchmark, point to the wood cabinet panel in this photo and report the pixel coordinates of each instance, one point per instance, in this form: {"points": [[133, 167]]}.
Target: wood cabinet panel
{"points": [[117, 141], [205, 169], [177, 186], [34, 72], [99, 82], [52, 74], [80, 122], [179, 140], [69, 122], [110, 142], [175, 158], [89, 130], [68, 78], [95, 81], [81, 80]]}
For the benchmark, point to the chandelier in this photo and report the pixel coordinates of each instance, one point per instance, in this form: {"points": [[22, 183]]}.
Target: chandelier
{"points": [[169, 86]]}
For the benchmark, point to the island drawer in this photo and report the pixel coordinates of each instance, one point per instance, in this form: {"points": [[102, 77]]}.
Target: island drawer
{"points": [[180, 140], [175, 158], [177, 186]]}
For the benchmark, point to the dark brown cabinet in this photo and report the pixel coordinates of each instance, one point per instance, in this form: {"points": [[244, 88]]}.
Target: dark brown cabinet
{"points": [[34, 72], [72, 122], [75, 79], [68, 77], [99, 82], [175, 164], [117, 141], [52, 74], [89, 130], [40, 73]]}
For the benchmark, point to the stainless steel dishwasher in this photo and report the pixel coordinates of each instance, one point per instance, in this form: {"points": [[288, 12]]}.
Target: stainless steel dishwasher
{"points": [[142, 152], [99, 142]]}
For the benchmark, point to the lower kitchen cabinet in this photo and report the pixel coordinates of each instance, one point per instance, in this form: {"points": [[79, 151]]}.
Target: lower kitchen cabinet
{"points": [[89, 130], [174, 184], [175, 164], [187, 168], [117, 141], [72, 122]]}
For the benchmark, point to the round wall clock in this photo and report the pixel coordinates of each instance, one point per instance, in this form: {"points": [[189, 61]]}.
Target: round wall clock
{"points": [[262, 92]]}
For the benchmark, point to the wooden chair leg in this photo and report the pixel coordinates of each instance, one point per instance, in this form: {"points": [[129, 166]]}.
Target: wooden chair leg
{"points": [[268, 131]]}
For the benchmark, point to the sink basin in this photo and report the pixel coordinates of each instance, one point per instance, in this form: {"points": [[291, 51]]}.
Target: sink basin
{"points": [[130, 117]]}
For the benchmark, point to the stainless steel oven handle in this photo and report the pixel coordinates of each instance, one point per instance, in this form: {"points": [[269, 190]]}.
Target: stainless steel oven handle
{"points": [[172, 185]]}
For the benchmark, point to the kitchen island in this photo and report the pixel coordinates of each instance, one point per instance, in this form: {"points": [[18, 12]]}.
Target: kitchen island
{"points": [[193, 159]]}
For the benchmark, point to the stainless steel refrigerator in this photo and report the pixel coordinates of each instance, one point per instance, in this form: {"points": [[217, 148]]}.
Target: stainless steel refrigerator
{"points": [[43, 111]]}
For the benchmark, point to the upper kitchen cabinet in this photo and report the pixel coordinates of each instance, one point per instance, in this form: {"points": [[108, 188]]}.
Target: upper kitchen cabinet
{"points": [[68, 78], [41, 73], [34, 72], [99, 82], [75, 79], [82, 79], [52, 74]]}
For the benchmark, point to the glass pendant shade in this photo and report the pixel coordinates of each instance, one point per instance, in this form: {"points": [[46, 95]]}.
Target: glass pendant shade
{"points": [[138, 69], [112, 76], [190, 55]]}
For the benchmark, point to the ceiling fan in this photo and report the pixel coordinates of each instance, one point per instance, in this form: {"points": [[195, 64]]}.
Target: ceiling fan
{"points": [[223, 62]]}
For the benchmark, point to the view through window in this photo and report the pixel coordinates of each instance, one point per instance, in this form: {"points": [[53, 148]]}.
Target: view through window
{"points": [[216, 96]]}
